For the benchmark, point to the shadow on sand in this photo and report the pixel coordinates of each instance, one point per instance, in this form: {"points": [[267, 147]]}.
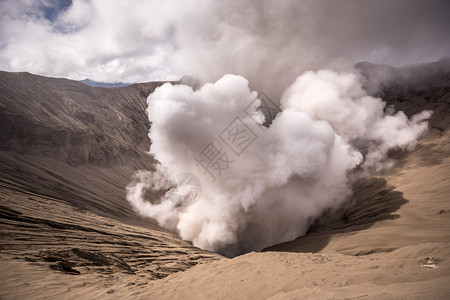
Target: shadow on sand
{"points": [[372, 201]]}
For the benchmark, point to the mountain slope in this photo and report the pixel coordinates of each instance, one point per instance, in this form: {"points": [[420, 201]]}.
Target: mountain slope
{"points": [[82, 142], [67, 152]]}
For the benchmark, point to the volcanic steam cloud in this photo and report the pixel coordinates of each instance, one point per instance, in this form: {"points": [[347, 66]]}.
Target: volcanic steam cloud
{"points": [[264, 170]]}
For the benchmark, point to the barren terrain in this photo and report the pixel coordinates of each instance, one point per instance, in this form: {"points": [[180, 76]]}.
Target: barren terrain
{"points": [[68, 151]]}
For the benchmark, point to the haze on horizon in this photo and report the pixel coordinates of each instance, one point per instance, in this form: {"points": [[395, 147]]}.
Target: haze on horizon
{"points": [[136, 41]]}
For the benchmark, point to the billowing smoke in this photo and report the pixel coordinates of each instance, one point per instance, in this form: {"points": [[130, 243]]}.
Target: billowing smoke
{"points": [[262, 185], [272, 42]]}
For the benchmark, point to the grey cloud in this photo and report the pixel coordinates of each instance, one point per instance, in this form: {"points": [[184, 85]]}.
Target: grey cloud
{"points": [[269, 42]]}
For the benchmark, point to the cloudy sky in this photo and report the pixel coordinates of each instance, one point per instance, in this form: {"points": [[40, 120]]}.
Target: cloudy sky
{"points": [[140, 40]]}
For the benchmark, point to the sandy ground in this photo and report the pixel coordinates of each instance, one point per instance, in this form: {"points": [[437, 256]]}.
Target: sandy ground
{"points": [[48, 246], [402, 253], [379, 253], [411, 272], [278, 275], [413, 206]]}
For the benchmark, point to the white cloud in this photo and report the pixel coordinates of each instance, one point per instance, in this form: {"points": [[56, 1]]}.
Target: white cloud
{"points": [[269, 42], [104, 40]]}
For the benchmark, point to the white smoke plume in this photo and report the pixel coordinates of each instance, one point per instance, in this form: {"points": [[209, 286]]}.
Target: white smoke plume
{"points": [[262, 186]]}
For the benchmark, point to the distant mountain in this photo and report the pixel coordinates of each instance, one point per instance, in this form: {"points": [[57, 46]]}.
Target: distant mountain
{"points": [[417, 78], [412, 88], [93, 83]]}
